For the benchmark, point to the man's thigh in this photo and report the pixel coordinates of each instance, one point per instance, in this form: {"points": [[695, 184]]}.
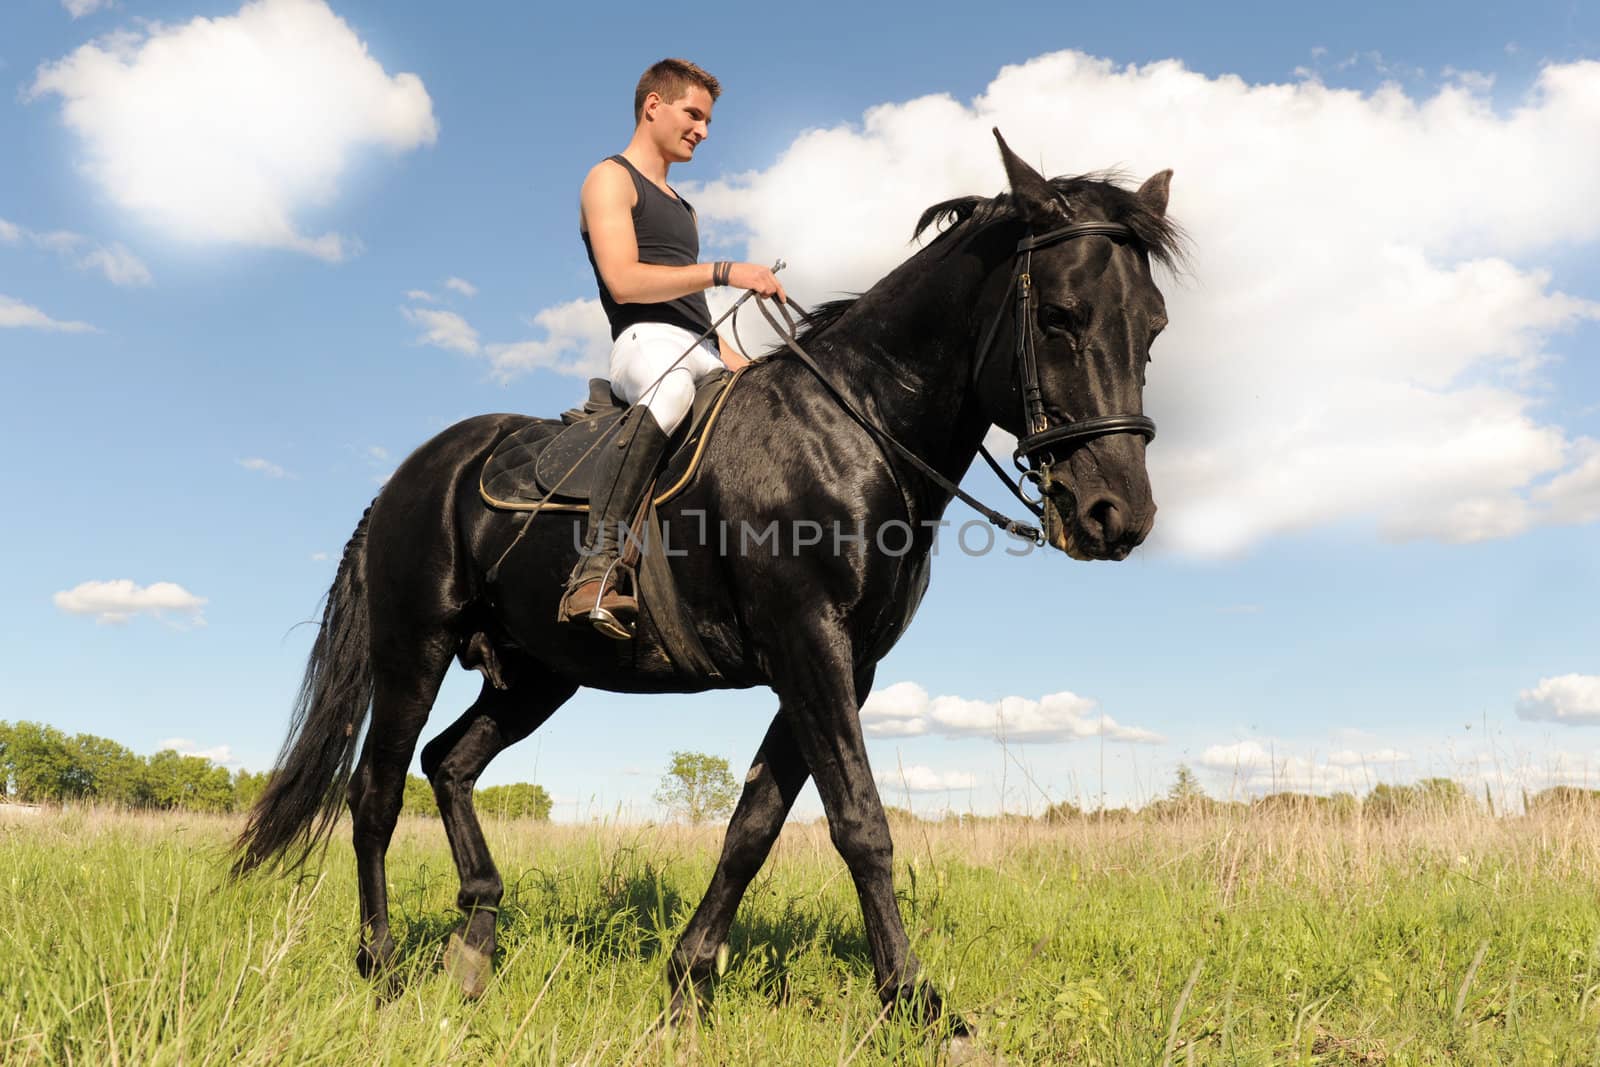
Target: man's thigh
{"points": [[644, 353]]}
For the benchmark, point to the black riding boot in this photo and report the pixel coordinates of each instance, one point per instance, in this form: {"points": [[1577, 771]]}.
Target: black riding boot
{"points": [[626, 467]]}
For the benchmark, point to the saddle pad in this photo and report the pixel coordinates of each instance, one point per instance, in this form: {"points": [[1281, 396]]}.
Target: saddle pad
{"points": [[524, 467]]}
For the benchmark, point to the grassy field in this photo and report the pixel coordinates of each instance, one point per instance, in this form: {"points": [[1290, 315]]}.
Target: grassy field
{"points": [[1256, 940]]}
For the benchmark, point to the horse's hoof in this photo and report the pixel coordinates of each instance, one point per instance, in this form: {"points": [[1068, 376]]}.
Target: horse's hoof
{"points": [[963, 1051], [469, 967], [376, 961], [683, 1013]]}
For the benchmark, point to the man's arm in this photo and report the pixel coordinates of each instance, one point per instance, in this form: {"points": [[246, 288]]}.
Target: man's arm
{"points": [[607, 205]]}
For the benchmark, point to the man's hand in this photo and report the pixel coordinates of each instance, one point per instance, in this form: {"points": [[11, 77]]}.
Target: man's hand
{"points": [[755, 276]]}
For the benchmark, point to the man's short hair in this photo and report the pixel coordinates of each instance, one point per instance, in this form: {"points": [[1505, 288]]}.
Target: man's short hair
{"points": [[670, 79]]}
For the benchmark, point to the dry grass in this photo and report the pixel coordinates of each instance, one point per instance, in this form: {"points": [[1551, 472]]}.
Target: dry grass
{"points": [[1243, 938]]}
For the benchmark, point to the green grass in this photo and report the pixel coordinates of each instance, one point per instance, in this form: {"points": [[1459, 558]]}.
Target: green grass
{"points": [[1460, 940]]}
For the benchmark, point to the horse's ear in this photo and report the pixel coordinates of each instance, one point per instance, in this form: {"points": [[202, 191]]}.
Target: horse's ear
{"points": [[1153, 193], [1036, 199]]}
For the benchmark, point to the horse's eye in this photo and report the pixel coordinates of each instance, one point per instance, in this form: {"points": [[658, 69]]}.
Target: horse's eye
{"points": [[1054, 318]]}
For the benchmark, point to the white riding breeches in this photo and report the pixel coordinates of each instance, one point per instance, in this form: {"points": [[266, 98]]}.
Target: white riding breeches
{"points": [[645, 369]]}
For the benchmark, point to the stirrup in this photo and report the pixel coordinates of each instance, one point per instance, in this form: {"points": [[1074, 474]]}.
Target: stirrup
{"points": [[605, 621], [609, 625]]}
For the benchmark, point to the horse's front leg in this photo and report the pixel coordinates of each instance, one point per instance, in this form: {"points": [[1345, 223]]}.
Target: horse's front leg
{"points": [[814, 681], [775, 779]]}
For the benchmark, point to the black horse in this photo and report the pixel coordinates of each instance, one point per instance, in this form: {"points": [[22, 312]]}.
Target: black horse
{"points": [[934, 354]]}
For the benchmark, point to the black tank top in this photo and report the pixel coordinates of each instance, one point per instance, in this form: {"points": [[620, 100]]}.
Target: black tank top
{"points": [[666, 234]]}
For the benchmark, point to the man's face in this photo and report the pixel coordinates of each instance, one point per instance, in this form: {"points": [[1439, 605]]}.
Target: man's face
{"points": [[678, 127]]}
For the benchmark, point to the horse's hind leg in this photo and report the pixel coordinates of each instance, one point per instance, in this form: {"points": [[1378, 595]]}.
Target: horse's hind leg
{"points": [[776, 777], [400, 704], [453, 761]]}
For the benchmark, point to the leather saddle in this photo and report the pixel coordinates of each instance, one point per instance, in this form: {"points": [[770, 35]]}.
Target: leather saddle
{"points": [[553, 461]]}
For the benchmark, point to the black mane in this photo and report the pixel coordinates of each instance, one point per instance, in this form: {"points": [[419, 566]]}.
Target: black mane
{"points": [[821, 317], [1158, 235]]}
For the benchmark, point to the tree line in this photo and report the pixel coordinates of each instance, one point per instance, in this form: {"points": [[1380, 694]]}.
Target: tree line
{"points": [[1185, 799], [40, 764]]}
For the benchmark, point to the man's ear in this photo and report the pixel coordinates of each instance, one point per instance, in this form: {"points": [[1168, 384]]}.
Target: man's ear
{"points": [[1037, 200]]}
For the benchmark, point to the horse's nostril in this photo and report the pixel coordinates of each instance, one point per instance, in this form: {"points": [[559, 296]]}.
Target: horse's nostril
{"points": [[1108, 514]]}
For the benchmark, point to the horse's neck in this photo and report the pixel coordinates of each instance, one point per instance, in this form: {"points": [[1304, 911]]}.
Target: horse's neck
{"points": [[907, 348]]}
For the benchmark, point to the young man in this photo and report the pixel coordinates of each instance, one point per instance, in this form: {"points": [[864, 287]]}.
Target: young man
{"points": [[644, 245]]}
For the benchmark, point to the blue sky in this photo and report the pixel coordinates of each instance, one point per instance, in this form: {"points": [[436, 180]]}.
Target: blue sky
{"points": [[225, 317]]}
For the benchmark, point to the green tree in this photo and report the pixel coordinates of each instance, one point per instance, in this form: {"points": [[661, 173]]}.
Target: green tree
{"points": [[1063, 811], [38, 763], [1563, 800], [1430, 796], [100, 769], [1186, 789], [190, 783], [899, 816], [697, 787], [5, 759], [247, 788], [418, 798], [1442, 796], [520, 800]]}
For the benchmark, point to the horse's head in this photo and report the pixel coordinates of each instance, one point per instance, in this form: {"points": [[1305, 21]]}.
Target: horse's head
{"points": [[1083, 310]]}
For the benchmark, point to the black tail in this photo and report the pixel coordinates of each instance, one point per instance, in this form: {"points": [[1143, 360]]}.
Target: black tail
{"points": [[306, 790]]}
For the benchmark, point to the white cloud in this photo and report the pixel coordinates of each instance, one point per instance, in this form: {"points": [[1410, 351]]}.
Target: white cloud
{"points": [[1260, 768], [921, 779], [1349, 757], [79, 8], [221, 755], [905, 710], [263, 466], [1362, 340], [319, 557], [1573, 699], [119, 265], [420, 296], [1574, 497], [224, 129], [1512, 776], [15, 313], [120, 600], [443, 329], [462, 286], [577, 341]]}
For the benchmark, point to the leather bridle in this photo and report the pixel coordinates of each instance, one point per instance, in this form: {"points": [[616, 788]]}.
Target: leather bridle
{"points": [[1040, 439]]}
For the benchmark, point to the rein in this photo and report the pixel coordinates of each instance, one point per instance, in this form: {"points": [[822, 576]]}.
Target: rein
{"points": [[1011, 526], [1041, 438]]}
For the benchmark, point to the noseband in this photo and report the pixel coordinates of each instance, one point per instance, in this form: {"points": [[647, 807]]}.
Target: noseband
{"points": [[1040, 440]]}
